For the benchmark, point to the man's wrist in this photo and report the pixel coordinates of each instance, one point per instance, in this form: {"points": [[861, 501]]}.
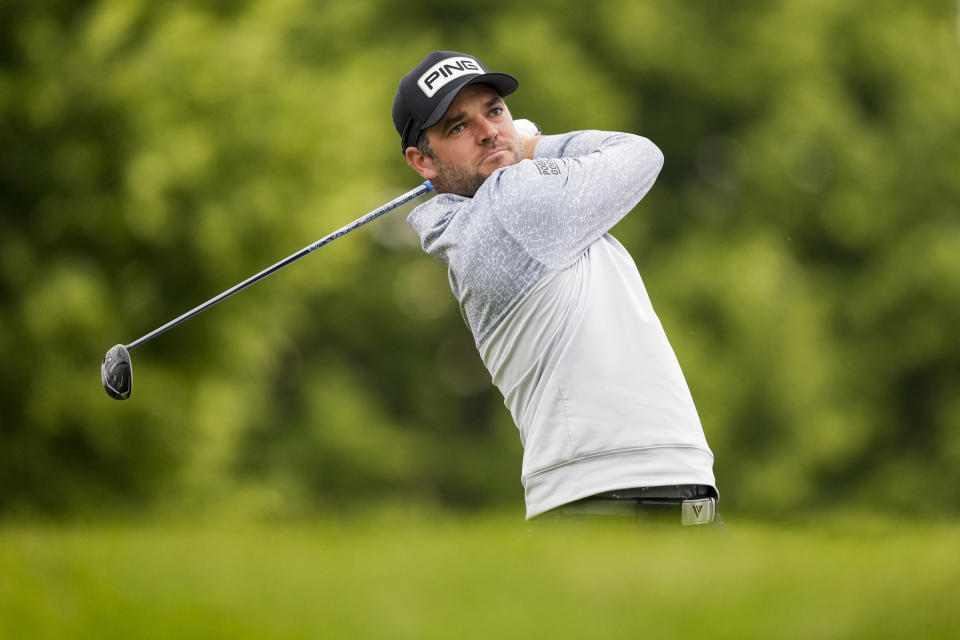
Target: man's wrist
{"points": [[529, 135], [529, 145]]}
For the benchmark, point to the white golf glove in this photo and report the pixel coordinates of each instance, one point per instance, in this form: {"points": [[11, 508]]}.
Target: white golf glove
{"points": [[526, 127]]}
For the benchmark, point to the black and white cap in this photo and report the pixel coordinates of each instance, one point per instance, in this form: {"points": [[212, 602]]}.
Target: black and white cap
{"points": [[426, 93]]}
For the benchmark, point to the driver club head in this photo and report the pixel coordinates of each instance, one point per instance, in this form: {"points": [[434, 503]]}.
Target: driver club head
{"points": [[116, 372]]}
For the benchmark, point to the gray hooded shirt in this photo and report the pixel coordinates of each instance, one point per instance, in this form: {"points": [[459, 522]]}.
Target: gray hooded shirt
{"points": [[563, 322]]}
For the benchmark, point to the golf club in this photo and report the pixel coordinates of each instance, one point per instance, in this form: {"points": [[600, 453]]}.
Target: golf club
{"points": [[116, 372]]}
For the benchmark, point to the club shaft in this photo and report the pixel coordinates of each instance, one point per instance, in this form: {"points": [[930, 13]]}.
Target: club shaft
{"points": [[426, 187]]}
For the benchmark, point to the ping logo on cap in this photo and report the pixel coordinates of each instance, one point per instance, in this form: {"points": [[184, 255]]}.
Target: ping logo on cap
{"points": [[446, 70]]}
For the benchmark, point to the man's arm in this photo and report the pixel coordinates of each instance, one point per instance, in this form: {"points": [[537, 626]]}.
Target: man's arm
{"points": [[575, 189], [529, 135], [529, 145]]}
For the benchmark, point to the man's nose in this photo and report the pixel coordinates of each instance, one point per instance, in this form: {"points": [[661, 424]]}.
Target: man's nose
{"points": [[488, 132]]}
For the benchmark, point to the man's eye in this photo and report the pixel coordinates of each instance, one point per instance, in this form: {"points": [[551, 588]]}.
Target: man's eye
{"points": [[496, 111], [457, 129]]}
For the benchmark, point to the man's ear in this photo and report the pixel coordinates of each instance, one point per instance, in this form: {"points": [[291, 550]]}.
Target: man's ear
{"points": [[421, 163]]}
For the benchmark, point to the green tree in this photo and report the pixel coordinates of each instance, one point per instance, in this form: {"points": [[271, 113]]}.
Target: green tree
{"points": [[801, 246]]}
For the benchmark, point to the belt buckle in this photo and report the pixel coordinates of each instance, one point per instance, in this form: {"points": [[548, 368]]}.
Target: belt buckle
{"points": [[695, 512]]}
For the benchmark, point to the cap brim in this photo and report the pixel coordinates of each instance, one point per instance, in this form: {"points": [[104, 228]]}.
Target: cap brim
{"points": [[504, 84]]}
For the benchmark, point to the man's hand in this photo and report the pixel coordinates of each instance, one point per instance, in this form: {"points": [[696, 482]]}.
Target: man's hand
{"points": [[529, 135], [526, 128]]}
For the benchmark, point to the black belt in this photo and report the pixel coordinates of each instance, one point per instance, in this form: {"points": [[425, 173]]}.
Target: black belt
{"points": [[687, 504]]}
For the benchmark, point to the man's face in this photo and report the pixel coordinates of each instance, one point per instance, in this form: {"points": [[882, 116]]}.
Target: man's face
{"points": [[474, 138]]}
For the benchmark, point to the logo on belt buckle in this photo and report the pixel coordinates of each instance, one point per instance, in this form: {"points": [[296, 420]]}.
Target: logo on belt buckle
{"points": [[703, 511]]}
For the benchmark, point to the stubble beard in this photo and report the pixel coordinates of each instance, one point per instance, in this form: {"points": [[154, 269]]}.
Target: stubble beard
{"points": [[453, 178]]}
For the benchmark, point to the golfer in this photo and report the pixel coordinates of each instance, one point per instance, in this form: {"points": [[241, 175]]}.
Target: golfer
{"points": [[556, 305]]}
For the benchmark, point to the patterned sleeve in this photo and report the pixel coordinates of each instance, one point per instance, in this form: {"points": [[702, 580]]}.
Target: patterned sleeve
{"points": [[574, 190]]}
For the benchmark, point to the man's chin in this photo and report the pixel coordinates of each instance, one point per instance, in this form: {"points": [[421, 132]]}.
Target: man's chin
{"points": [[451, 179], [462, 186]]}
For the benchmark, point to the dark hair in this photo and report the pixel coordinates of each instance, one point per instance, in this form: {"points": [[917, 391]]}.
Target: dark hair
{"points": [[423, 145]]}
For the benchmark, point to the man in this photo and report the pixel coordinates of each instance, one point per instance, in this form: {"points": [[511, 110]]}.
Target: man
{"points": [[557, 308]]}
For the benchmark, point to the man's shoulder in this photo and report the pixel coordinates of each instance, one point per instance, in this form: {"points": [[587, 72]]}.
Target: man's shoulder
{"points": [[431, 219]]}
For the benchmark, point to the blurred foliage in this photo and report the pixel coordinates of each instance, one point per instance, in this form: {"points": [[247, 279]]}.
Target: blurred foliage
{"points": [[802, 246]]}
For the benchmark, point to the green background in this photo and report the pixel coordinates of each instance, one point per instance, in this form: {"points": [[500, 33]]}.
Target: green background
{"points": [[323, 455], [802, 247]]}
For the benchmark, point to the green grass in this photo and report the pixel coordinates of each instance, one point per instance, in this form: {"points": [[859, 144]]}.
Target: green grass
{"points": [[490, 577]]}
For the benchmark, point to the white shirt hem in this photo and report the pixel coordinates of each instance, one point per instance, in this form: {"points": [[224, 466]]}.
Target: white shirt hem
{"points": [[635, 468]]}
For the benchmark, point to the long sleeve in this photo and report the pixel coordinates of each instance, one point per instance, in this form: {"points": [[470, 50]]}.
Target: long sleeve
{"points": [[575, 189], [534, 216]]}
